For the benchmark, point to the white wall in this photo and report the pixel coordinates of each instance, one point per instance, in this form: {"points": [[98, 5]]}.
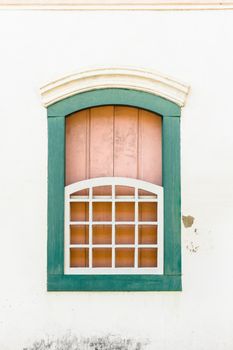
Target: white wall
{"points": [[192, 46]]}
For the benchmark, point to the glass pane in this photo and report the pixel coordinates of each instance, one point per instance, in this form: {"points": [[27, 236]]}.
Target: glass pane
{"points": [[147, 211], [124, 191], [102, 257], [102, 191], [79, 234], [124, 257], [79, 257], [145, 194], [147, 234], [125, 234], [102, 234], [102, 211], [125, 211], [80, 194], [79, 211], [147, 257]]}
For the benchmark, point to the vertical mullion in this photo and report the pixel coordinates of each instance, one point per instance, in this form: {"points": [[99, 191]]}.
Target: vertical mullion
{"points": [[56, 182], [171, 185], [160, 235], [90, 226], [113, 225], [67, 231], [136, 229]]}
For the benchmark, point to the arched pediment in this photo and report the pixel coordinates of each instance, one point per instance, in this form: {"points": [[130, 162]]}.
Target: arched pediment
{"points": [[115, 77]]}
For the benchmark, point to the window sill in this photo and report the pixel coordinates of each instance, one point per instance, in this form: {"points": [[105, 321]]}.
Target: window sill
{"points": [[111, 283]]}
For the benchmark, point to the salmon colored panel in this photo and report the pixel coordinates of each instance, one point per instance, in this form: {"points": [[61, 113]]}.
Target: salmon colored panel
{"points": [[102, 211], [79, 211], [147, 234], [124, 257], [79, 234], [102, 234], [102, 257], [113, 141], [101, 141], [125, 234], [125, 141], [77, 146], [79, 257], [147, 211], [125, 211], [147, 257], [150, 147]]}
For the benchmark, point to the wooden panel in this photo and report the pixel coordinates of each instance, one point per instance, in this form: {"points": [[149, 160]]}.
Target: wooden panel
{"points": [[126, 142], [113, 141], [77, 128], [150, 147], [101, 142]]}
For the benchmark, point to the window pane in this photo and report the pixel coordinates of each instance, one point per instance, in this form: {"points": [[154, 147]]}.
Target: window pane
{"points": [[102, 257], [125, 234], [102, 234], [79, 234], [125, 211], [147, 211], [79, 257], [147, 234], [79, 211], [147, 257], [124, 191], [124, 257], [102, 211], [102, 191]]}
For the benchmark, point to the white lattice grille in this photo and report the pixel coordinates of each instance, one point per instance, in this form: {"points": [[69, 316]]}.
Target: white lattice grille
{"points": [[113, 225]]}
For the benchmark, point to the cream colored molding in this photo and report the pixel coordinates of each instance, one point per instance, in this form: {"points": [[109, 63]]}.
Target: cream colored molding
{"points": [[120, 77], [117, 4]]}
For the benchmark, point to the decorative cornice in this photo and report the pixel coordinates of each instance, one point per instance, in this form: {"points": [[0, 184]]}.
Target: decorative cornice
{"points": [[155, 5], [120, 77]]}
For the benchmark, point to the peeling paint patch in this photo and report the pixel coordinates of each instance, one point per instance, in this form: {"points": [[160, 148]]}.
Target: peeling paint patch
{"points": [[71, 342], [188, 220], [192, 247]]}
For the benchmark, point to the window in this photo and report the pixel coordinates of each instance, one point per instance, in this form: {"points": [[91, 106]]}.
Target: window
{"points": [[113, 231]]}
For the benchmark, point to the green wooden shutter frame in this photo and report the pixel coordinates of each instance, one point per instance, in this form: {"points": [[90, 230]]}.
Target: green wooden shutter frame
{"points": [[171, 280]]}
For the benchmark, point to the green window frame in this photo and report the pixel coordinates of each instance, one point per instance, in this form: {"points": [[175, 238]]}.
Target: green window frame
{"points": [[170, 113]]}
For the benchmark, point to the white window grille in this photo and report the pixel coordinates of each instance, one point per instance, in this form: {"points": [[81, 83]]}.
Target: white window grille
{"points": [[113, 225]]}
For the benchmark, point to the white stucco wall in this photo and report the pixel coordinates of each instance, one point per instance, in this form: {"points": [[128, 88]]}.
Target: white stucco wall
{"points": [[195, 47]]}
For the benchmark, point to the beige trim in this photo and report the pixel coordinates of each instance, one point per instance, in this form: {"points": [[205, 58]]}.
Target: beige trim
{"points": [[123, 77], [117, 4]]}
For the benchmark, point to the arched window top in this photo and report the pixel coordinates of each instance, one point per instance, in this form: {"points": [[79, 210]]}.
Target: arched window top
{"points": [[115, 77]]}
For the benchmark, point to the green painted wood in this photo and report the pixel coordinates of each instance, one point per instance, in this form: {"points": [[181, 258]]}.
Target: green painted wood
{"points": [[171, 280], [172, 200], [114, 283], [56, 156], [103, 97]]}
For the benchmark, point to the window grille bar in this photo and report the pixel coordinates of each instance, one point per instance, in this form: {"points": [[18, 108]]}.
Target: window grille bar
{"points": [[113, 225], [90, 226], [113, 245], [156, 196], [136, 229], [112, 222]]}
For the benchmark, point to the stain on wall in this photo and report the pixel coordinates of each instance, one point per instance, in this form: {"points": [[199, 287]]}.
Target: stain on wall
{"points": [[71, 342], [188, 220]]}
